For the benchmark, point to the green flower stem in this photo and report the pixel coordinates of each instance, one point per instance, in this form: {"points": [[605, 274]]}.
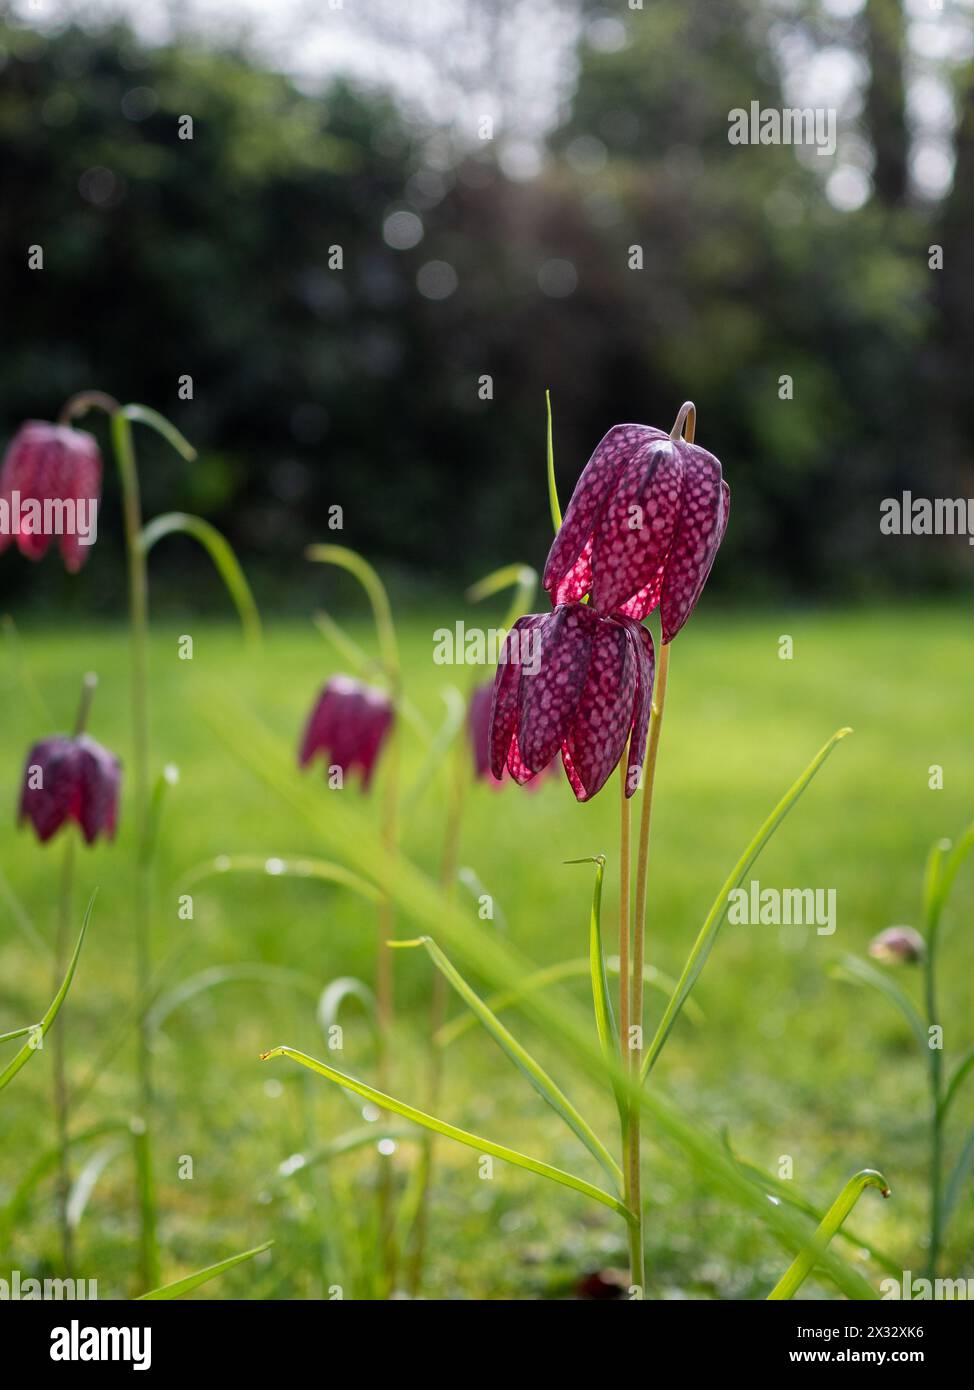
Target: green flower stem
{"points": [[88, 687], [121, 430], [624, 977], [685, 423], [625, 930], [553, 502], [634, 1199], [61, 1098], [384, 995], [933, 902]]}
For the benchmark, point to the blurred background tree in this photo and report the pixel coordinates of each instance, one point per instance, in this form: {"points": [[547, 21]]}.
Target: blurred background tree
{"points": [[625, 255]]}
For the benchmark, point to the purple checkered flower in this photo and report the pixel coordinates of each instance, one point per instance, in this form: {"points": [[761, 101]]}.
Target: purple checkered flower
{"points": [[348, 726], [574, 682], [642, 528]]}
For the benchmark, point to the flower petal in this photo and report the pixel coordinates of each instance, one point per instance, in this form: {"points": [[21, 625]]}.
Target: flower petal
{"points": [[99, 775], [597, 737], [643, 603], [574, 780], [592, 491], [577, 582], [507, 683], [642, 641], [376, 721], [78, 480], [317, 731], [636, 528], [478, 727], [516, 766], [23, 472], [697, 538], [722, 531], [50, 794], [552, 681]]}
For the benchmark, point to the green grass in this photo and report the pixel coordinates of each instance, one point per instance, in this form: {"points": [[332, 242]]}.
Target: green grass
{"points": [[788, 1060]]}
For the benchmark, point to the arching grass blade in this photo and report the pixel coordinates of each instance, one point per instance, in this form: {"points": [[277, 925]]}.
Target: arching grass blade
{"points": [[23, 1056], [462, 1136], [202, 1276], [546, 1088], [797, 1272], [225, 562]]}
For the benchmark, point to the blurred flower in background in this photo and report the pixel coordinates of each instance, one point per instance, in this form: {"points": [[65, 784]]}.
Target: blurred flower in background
{"points": [[50, 485], [70, 779], [347, 727]]}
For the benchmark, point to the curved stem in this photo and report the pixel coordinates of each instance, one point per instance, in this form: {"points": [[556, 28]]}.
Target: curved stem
{"points": [[686, 421], [522, 578], [639, 933], [84, 401], [385, 629], [225, 562], [143, 415], [831, 1223]]}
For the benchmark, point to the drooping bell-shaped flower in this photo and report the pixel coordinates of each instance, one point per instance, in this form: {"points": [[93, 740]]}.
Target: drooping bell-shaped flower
{"points": [[70, 779], [574, 682], [898, 946], [642, 528], [50, 485], [348, 726]]}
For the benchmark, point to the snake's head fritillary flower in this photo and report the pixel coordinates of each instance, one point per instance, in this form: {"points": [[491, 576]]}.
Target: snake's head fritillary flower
{"points": [[573, 682], [348, 727], [70, 779], [50, 485], [898, 946], [642, 528]]}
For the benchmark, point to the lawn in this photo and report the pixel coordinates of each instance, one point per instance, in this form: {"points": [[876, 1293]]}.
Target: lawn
{"points": [[787, 1060]]}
